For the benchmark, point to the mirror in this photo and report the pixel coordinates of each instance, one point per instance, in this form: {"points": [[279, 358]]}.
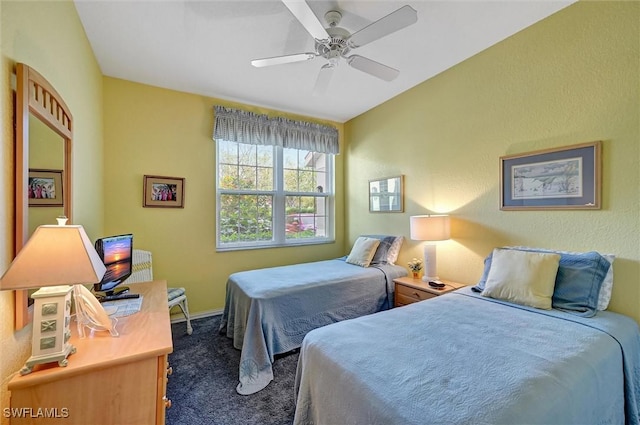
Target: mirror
{"points": [[387, 194], [42, 159]]}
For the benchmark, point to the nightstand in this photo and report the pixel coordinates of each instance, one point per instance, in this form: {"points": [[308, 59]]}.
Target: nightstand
{"points": [[409, 290]]}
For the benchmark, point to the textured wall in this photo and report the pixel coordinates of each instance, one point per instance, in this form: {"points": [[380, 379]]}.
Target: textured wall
{"points": [[48, 36], [569, 79], [162, 132]]}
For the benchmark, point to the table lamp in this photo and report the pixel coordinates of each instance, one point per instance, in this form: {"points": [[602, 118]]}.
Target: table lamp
{"points": [[53, 258], [430, 228]]}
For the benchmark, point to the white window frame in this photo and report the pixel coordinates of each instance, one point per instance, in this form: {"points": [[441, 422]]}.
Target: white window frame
{"points": [[279, 210]]}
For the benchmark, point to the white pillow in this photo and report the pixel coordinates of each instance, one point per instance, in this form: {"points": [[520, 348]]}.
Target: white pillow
{"points": [[607, 285], [522, 277], [363, 251]]}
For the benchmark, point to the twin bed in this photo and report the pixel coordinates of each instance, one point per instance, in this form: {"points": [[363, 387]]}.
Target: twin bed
{"points": [[466, 359], [483, 357], [269, 311]]}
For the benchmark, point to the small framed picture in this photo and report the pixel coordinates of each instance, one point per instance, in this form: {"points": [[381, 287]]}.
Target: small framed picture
{"points": [[386, 194], [163, 192], [567, 178], [45, 188]]}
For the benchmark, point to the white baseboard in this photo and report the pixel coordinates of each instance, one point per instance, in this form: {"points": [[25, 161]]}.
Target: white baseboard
{"points": [[179, 317]]}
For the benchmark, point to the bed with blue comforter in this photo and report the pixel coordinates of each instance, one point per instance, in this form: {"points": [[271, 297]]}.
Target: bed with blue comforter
{"points": [[462, 358], [269, 311]]}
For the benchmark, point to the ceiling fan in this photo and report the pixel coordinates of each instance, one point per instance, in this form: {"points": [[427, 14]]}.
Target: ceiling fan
{"points": [[334, 42]]}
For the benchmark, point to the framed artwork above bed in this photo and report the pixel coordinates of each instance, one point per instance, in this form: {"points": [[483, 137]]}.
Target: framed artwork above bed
{"points": [[386, 194], [567, 178]]}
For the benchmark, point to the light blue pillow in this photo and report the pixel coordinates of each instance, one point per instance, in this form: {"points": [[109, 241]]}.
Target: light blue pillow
{"points": [[578, 282]]}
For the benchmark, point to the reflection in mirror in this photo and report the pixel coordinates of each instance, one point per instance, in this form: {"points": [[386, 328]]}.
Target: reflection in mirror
{"points": [[386, 194], [46, 151], [43, 141]]}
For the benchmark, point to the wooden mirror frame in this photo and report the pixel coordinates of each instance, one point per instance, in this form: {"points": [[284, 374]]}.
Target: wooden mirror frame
{"points": [[35, 95]]}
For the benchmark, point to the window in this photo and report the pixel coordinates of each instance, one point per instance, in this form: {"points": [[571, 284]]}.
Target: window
{"points": [[272, 196]]}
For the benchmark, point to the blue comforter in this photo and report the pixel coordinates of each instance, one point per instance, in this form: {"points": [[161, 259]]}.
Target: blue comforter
{"points": [[269, 311], [464, 359]]}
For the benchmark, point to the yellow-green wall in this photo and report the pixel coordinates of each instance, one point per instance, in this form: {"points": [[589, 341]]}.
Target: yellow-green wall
{"points": [[572, 78], [47, 36], [153, 131]]}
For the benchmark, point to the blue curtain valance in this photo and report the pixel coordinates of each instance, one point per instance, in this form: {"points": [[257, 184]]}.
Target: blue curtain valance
{"points": [[246, 127]]}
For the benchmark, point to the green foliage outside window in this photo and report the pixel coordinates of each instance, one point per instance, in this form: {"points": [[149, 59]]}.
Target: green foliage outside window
{"points": [[246, 181]]}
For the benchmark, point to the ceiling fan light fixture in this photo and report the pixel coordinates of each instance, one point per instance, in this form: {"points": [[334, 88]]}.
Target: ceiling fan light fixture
{"points": [[333, 17], [333, 43]]}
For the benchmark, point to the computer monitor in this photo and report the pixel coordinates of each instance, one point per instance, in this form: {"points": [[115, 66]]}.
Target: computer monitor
{"points": [[116, 252]]}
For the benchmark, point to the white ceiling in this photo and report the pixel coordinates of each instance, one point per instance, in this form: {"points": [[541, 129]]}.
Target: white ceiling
{"points": [[205, 47]]}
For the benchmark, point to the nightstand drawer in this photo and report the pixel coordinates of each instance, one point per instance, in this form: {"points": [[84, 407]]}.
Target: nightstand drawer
{"points": [[408, 295]]}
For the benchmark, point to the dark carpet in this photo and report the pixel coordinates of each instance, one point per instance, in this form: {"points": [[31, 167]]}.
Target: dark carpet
{"points": [[202, 387]]}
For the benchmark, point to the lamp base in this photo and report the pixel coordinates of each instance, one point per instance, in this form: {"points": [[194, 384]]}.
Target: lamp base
{"points": [[61, 358], [429, 263], [51, 334], [430, 278]]}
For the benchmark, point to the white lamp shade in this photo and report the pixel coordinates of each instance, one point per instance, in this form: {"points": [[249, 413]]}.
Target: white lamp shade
{"points": [[430, 227], [54, 255]]}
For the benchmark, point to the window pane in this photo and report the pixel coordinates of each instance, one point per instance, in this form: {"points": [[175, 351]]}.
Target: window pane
{"points": [[247, 154], [227, 152], [265, 156], [265, 178], [321, 226], [304, 171], [306, 181], [305, 160], [228, 176], [305, 217], [290, 180], [321, 181], [247, 178], [290, 158], [245, 218], [305, 204], [228, 223]]}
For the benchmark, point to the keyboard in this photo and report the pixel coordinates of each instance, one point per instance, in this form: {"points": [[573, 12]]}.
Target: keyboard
{"points": [[123, 307], [117, 297]]}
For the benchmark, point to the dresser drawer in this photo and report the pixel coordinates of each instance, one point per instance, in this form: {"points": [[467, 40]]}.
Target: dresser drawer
{"points": [[408, 295]]}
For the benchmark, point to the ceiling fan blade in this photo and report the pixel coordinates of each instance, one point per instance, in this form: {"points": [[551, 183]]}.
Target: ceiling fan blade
{"points": [[303, 13], [324, 77], [372, 67], [391, 23], [277, 60]]}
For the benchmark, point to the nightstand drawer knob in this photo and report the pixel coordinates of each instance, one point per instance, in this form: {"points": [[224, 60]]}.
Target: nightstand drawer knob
{"points": [[167, 402], [417, 295]]}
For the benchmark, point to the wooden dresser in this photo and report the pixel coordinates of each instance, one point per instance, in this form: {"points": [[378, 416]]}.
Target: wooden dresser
{"points": [[108, 380]]}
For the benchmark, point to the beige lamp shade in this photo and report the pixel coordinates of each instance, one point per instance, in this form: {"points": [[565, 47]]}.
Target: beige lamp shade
{"points": [[430, 227], [54, 255]]}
